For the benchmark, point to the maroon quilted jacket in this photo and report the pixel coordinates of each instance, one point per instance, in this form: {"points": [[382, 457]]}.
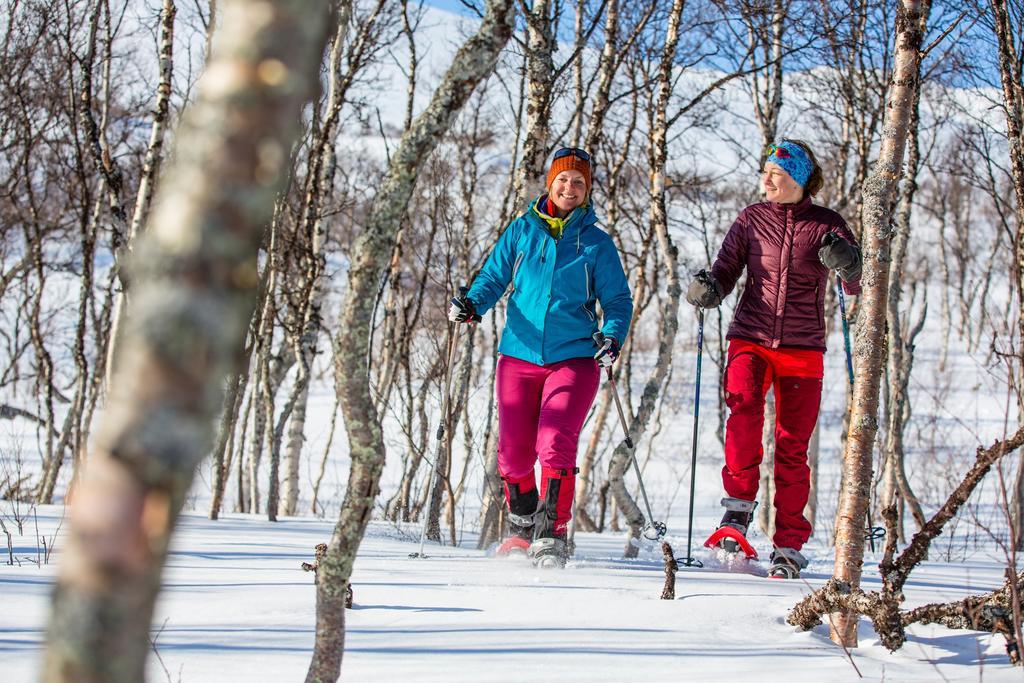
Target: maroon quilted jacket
{"points": [[783, 302]]}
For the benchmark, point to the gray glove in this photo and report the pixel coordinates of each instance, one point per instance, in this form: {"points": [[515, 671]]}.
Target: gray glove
{"points": [[704, 291], [839, 255]]}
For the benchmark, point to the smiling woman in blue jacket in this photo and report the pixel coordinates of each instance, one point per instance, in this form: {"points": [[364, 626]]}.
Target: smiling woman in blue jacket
{"points": [[559, 265]]}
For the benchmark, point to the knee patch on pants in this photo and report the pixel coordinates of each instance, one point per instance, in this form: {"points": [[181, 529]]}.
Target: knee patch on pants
{"points": [[743, 401], [746, 381]]}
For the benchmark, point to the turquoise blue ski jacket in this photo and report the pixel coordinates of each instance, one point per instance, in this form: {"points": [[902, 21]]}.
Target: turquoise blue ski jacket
{"points": [[556, 285]]}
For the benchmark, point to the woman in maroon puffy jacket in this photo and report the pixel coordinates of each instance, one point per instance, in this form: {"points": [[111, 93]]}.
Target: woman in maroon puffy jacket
{"points": [[787, 245]]}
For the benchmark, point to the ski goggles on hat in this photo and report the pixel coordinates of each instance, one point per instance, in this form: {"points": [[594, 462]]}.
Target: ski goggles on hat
{"points": [[792, 159], [571, 152]]}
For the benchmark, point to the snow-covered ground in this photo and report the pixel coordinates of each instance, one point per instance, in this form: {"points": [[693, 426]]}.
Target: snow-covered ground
{"points": [[237, 607]]}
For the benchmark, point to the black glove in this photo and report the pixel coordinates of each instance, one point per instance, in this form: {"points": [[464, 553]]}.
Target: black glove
{"points": [[704, 291], [608, 350], [839, 255], [462, 309]]}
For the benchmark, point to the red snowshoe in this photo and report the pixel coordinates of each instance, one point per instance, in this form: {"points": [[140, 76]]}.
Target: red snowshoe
{"points": [[513, 546], [731, 533], [731, 541]]}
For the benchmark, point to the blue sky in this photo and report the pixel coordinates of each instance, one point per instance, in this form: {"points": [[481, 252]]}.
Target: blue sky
{"points": [[451, 5], [981, 56]]}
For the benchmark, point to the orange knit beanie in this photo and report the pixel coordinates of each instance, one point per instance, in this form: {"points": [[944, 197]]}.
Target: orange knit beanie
{"points": [[569, 162]]}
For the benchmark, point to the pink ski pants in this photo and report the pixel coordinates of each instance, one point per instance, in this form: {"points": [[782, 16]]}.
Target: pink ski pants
{"points": [[541, 409]]}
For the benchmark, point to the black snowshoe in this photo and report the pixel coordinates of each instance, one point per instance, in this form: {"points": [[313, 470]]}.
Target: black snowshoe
{"points": [[549, 549], [549, 552], [786, 563]]}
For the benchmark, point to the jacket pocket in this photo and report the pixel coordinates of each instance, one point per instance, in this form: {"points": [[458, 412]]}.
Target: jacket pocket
{"points": [[586, 287], [819, 306]]}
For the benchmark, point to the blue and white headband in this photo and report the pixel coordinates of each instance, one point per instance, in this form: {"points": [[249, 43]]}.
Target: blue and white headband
{"points": [[792, 159]]}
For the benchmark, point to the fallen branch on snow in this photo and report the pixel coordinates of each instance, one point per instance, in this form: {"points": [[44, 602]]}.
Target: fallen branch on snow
{"points": [[671, 567], [320, 550], [991, 612]]}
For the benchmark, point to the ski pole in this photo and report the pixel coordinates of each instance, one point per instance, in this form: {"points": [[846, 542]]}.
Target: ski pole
{"points": [[690, 560], [653, 530], [846, 329], [453, 334]]}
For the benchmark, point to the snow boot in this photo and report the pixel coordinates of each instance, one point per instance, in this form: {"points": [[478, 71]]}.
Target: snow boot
{"points": [[739, 514], [557, 486], [786, 563], [522, 514]]}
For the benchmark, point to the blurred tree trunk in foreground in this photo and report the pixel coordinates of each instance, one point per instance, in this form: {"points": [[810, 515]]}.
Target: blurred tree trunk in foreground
{"points": [[194, 279]]}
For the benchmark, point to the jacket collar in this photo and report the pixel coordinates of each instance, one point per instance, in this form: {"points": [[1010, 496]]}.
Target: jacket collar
{"points": [[797, 208], [574, 224]]}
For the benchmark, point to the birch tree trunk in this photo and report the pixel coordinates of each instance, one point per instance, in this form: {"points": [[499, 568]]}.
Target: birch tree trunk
{"points": [[493, 497], [813, 452], [606, 68], [620, 459], [765, 32], [540, 69], [262, 394], [151, 166], [766, 512], [194, 283], [585, 484], [878, 193], [1009, 43], [765, 29], [900, 341], [320, 182], [579, 92], [220, 461], [474, 61]]}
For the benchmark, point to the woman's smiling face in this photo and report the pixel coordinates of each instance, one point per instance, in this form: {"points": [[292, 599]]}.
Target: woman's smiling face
{"points": [[568, 190], [779, 186]]}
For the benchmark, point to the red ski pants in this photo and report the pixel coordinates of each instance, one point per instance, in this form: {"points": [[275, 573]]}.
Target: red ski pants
{"points": [[796, 375], [541, 409]]}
